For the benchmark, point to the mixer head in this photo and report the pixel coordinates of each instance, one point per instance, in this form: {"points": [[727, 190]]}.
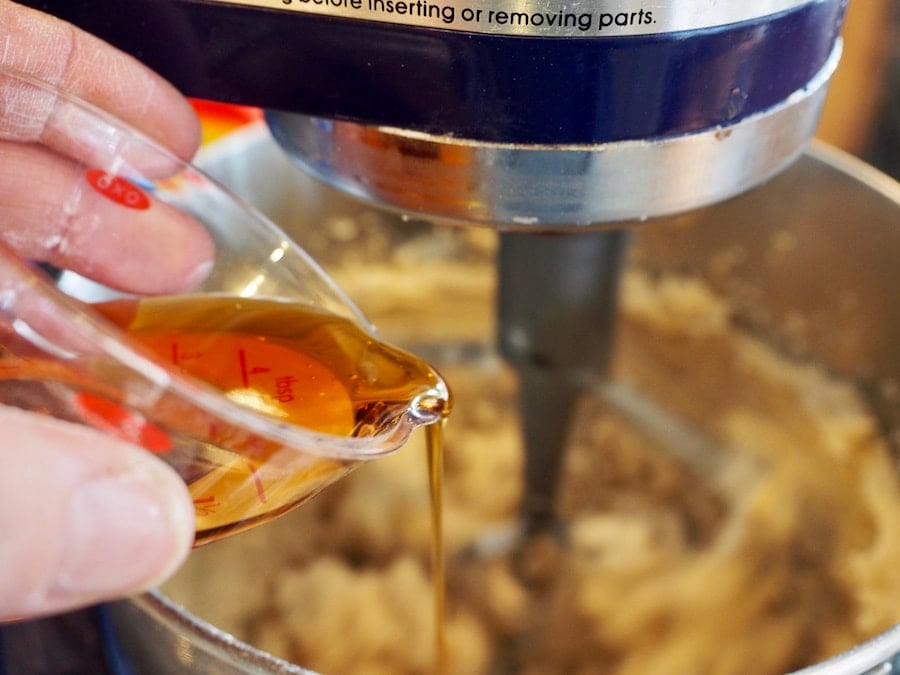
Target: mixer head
{"points": [[521, 115]]}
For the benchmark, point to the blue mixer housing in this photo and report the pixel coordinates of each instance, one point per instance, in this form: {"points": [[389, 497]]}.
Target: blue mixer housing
{"points": [[483, 87]]}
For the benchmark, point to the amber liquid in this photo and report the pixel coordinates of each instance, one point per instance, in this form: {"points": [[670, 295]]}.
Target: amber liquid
{"points": [[296, 365], [435, 449]]}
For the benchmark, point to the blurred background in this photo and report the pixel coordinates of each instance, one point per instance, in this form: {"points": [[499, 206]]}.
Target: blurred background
{"points": [[862, 112]]}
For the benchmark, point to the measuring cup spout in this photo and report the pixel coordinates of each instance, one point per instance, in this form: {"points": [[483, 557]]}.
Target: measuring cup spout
{"points": [[431, 406]]}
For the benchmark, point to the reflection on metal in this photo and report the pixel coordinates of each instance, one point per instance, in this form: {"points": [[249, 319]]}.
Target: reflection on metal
{"points": [[546, 18], [562, 186]]}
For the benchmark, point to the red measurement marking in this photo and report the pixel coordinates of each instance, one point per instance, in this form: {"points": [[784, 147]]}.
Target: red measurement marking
{"points": [[118, 421], [245, 376], [179, 355], [117, 189], [206, 506], [260, 488]]}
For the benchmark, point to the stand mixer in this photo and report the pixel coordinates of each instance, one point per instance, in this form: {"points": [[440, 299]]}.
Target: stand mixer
{"points": [[560, 124]]}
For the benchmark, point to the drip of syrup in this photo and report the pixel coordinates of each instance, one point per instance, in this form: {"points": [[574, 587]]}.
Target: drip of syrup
{"points": [[435, 449]]}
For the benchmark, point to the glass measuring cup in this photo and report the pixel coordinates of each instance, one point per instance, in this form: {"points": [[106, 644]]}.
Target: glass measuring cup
{"points": [[260, 386]]}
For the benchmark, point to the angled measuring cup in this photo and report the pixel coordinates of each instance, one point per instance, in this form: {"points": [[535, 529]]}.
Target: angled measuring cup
{"points": [[261, 385]]}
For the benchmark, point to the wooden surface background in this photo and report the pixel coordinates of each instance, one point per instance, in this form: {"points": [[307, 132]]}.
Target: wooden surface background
{"points": [[861, 103]]}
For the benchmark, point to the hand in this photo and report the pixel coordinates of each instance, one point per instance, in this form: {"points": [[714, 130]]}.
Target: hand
{"points": [[85, 517], [36, 182]]}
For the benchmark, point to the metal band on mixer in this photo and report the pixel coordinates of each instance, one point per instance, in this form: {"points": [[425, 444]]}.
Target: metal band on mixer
{"points": [[545, 18], [594, 87], [553, 186]]}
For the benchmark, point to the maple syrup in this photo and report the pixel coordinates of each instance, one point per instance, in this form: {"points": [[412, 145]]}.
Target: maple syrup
{"points": [[434, 440], [290, 362]]}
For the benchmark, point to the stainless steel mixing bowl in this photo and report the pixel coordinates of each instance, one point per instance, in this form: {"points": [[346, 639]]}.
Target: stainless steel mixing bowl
{"points": [[809, 260]]}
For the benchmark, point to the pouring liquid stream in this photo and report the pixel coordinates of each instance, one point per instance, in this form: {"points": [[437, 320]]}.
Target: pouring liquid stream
{"points": [[434, 440]]}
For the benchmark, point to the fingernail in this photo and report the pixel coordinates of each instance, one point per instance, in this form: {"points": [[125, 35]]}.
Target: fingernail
{"points": [[124, 533], [198, 274]]}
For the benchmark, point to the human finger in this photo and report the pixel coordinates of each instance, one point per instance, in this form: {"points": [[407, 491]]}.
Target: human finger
{"points": [[33, 111], [93, 70], [56, 211], [85, 517]]}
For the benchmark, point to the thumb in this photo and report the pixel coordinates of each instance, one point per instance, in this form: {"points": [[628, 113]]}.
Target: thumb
{"points": [[84, 517]]}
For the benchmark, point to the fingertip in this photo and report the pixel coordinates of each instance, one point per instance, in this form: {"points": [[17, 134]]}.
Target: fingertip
{"points": [[123, 533], [159, 251], [86, 518], [174, 261], [126, 88], [173, 122], [198, 274]]}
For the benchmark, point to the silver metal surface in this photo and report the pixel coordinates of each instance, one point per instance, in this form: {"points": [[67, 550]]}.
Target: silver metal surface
{"points": [[879, 656], [546, 18], [153, 636], [780, 253], [557, 304], [551, 187]]}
